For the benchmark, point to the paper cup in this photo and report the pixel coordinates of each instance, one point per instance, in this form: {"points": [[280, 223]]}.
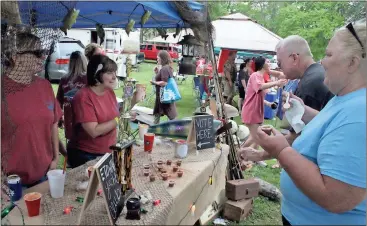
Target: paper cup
{"points": [[148, 142], [56, 180], [33, 203], [143, 129]]}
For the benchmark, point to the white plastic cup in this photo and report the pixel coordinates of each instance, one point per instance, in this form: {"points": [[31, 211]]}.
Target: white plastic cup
{"points": [[143, 129], [56, 180]]}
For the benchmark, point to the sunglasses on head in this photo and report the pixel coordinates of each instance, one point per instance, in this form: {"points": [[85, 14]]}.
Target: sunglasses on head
{"points": [[354, 33], [38, 53]]}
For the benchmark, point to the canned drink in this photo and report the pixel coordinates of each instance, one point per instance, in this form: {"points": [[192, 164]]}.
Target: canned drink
{"points": [[15, 187]]}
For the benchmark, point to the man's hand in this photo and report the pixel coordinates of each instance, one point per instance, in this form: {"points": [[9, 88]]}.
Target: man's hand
{"points": [[53, 164]]}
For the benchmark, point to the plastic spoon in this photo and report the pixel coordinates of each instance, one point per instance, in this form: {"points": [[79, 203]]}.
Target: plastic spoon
{"points": [[287, 105]]}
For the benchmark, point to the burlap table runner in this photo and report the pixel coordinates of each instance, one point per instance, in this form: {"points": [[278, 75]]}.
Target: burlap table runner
{"points": [[97, 214]]}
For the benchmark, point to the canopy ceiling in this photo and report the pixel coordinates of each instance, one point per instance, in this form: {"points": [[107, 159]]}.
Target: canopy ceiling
{"points": [[239, 32], [108, 13]]}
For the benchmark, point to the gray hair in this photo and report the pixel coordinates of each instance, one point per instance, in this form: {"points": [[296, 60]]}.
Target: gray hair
{"points": [[349, 43], [294, 44]]}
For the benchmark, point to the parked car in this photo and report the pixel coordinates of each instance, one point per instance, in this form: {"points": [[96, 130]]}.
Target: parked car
{"points": [[57, 63], [151, 51]]}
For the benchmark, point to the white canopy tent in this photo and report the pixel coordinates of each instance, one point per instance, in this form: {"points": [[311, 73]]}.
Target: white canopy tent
{"points": [[240, 32]]}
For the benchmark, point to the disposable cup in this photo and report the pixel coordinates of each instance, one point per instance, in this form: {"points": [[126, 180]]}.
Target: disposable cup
{"points": [[143, 129], [56, 179], [33, 203], [148, 142]]}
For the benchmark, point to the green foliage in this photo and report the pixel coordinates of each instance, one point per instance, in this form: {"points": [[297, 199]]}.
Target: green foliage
{"points": [[315, 21]]}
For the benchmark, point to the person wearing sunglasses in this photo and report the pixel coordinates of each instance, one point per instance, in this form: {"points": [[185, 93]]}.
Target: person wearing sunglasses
{"points": [[29, 113], [324, 176]]}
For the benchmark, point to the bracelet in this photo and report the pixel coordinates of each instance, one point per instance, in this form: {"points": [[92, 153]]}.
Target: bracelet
{"points": [[117, 120]]}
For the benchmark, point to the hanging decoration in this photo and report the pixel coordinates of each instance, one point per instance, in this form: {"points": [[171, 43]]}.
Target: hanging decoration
{"points": [[129, 26], [163, 33], [178, 30], [145, 17], [69, 20], [101, 33]]}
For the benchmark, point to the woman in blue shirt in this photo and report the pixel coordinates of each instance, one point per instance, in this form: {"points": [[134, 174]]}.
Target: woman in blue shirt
{"points": [[324, 172]]}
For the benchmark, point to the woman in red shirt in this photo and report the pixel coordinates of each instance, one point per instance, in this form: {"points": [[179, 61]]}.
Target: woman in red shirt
{"points": [[96, 113], [253, 108], [68, 86], [29, 114]]}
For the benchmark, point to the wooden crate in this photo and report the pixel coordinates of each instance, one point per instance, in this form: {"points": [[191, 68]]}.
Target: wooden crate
{"points": [[238, 210], [242, 189]]}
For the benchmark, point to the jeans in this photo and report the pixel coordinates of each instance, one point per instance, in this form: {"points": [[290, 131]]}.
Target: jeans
{"points": [[77, 157]]}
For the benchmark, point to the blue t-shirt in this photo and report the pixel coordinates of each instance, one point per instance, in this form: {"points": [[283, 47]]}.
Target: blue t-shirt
{"points": [[335, 140]]}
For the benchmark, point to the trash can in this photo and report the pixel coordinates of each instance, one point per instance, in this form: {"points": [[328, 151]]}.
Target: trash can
{"points": [[268, 112]]}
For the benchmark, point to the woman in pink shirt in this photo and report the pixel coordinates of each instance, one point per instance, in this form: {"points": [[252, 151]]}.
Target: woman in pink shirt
{"points": [[253, 108]]}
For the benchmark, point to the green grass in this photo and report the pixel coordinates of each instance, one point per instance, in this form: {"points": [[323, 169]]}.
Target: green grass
{"points": [[265, 212]]}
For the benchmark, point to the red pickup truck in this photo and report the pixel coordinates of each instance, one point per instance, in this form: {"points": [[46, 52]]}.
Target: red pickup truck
{"points": [[151, 51]]}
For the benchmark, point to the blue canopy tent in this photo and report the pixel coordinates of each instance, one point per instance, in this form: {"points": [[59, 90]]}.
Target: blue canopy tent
{"points": [[50, 14]]}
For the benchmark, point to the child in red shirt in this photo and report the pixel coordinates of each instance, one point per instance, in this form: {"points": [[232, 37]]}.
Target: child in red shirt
{"points": [[95, 111]]}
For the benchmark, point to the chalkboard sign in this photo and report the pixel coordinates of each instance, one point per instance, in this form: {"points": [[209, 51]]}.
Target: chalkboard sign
{"points": [[104, 174], [204, 131]]}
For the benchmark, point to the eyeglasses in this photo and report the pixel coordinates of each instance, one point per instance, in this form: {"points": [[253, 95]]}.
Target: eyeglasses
{"points": [[38, 53], [354, 33]]}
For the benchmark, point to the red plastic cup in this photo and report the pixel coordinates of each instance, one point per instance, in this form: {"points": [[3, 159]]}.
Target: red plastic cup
{"points": [[33, 203], [148, 142]]}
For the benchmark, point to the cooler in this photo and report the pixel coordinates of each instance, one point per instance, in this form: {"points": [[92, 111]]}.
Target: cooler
{"points": [[268, 112]]}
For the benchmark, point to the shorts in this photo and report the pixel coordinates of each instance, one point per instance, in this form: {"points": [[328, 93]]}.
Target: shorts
{"points": [[241, 92], [228, 91]]}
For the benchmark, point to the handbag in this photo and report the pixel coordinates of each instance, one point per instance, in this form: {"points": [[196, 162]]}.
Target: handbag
{"points": [[170, 93]]}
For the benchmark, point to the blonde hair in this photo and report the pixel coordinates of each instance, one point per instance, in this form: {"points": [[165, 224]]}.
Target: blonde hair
{"points": [[77, 65], [90, 49], [295, 44], [349, 43]]}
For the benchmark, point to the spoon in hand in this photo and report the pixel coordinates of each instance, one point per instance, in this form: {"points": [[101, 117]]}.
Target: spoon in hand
{"points": [[287, 105]]}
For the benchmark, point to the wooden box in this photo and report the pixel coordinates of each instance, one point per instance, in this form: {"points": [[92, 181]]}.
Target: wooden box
{"points": [[237, 210], [242, 189]]}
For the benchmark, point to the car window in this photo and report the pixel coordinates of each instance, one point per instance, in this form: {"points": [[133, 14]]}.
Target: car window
{"points": [[175, 49], [162, 48], [150, 47], [142, 47], [66, 48]]}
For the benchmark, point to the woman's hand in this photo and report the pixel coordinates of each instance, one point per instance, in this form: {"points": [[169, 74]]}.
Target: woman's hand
{"points": [[271, 140], [281, 82], [250, 154], [153, 82]]}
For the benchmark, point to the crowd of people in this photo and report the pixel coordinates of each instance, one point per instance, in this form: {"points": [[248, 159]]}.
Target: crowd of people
{"points": [[324, 167]]}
